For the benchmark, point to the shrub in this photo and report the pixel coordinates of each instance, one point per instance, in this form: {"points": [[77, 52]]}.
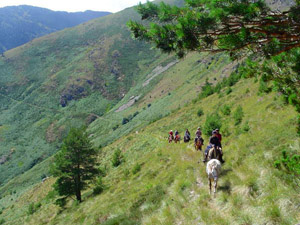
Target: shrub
{"points": [[246, 127], [31, 209], [99, 186], [116, 127], [263, 87], [135, 114], [2, 221], [290, 164], [212, 122], [117, 158], [61, 202], [102, 171], [207, 90], [238, 115], [200, 112], [226, 110], [125, 120], [228, 91], [136, 168], [225, 130]]}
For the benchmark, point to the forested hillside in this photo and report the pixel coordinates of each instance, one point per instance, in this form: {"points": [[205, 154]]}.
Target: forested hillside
{"points": [[21, 24]]}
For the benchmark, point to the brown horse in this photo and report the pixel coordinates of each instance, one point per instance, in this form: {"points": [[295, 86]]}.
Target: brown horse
{"points": [[170, 138], [198, 144], [215, 153], [177, 138]]}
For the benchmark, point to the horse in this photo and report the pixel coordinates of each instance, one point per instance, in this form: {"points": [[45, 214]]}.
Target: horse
{"points": [[214, 153], [186, 138], [170, 138], [198, 144], [213, 170], [177, 138]]}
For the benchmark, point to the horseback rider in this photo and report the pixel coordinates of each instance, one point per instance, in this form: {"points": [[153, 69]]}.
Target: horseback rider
{"points": [[219, 136], [198, 135], [176, 133], [171, 134], [187, 134], [214, 142]]}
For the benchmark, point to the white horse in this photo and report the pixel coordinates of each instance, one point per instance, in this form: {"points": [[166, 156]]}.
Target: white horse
{"points": [[213, 170]]}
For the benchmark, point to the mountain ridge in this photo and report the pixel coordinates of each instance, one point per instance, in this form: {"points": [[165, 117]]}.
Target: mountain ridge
{"points": [[21, 24]]}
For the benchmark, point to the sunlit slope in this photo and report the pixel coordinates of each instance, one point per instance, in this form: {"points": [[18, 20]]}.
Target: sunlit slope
{"points": [[61, 80], [171, 185], [166, 92], [173, 85]]}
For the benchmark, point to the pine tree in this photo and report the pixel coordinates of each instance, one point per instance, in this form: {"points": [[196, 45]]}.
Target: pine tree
{"points": [[75, 164], [230, 26]]}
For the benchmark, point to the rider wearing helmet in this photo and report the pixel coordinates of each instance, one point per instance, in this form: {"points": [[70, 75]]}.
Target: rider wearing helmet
{"points": [[198, 134], [187, 134], [171, 134], [213, 141], [219, 136]]}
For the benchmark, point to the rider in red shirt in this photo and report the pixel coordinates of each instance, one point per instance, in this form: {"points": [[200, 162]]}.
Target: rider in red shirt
{"points": [[219, 136], [171, 134]]}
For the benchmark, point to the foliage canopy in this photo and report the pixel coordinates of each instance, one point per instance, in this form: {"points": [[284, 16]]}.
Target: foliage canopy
{"points": [[218, 26]]}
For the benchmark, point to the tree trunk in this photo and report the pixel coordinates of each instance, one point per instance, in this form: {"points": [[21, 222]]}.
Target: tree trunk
{"points": [[78, 194]]}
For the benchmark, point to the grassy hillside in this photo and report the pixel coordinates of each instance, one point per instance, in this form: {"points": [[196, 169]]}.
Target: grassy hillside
{"points": [[130, 96], [64, 79], [161, 183]]}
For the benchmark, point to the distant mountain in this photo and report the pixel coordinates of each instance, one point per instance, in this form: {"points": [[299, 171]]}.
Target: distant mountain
{"points": [[21, 24]]}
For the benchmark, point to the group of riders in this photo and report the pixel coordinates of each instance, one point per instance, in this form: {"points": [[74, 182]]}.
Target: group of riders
{"points": [[213, 149]]}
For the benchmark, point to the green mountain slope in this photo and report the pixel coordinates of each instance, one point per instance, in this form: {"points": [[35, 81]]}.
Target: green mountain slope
{"points": [[21, 24], [130, 96], [64, 79], [162, 183]]}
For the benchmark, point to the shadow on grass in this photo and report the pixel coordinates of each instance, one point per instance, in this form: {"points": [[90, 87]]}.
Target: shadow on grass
{"points": [[225, 172], [226, 187]]}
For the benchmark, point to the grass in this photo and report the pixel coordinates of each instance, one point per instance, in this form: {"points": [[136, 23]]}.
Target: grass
{"points": [[35, 77], [161, 183]]}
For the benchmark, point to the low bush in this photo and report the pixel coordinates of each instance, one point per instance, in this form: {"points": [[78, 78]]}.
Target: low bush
{"points": [[238, 115], [212, 122], [207, 90], [228, 90], [32, 208], [137, 168], [200, 112], [99, 186], [117, 158], [61, 202], [246, 127], [225, 109], [291, 164]]}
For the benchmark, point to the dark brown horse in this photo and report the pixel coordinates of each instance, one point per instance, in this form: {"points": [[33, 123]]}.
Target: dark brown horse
{"points": [[177, 138], [198, 144]]}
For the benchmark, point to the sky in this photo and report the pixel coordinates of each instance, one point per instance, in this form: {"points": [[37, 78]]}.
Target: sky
{"points": [[75, 5]]}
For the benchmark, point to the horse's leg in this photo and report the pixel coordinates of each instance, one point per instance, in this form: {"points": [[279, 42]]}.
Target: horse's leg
{"points": [[209, 186], [215, 186]]}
